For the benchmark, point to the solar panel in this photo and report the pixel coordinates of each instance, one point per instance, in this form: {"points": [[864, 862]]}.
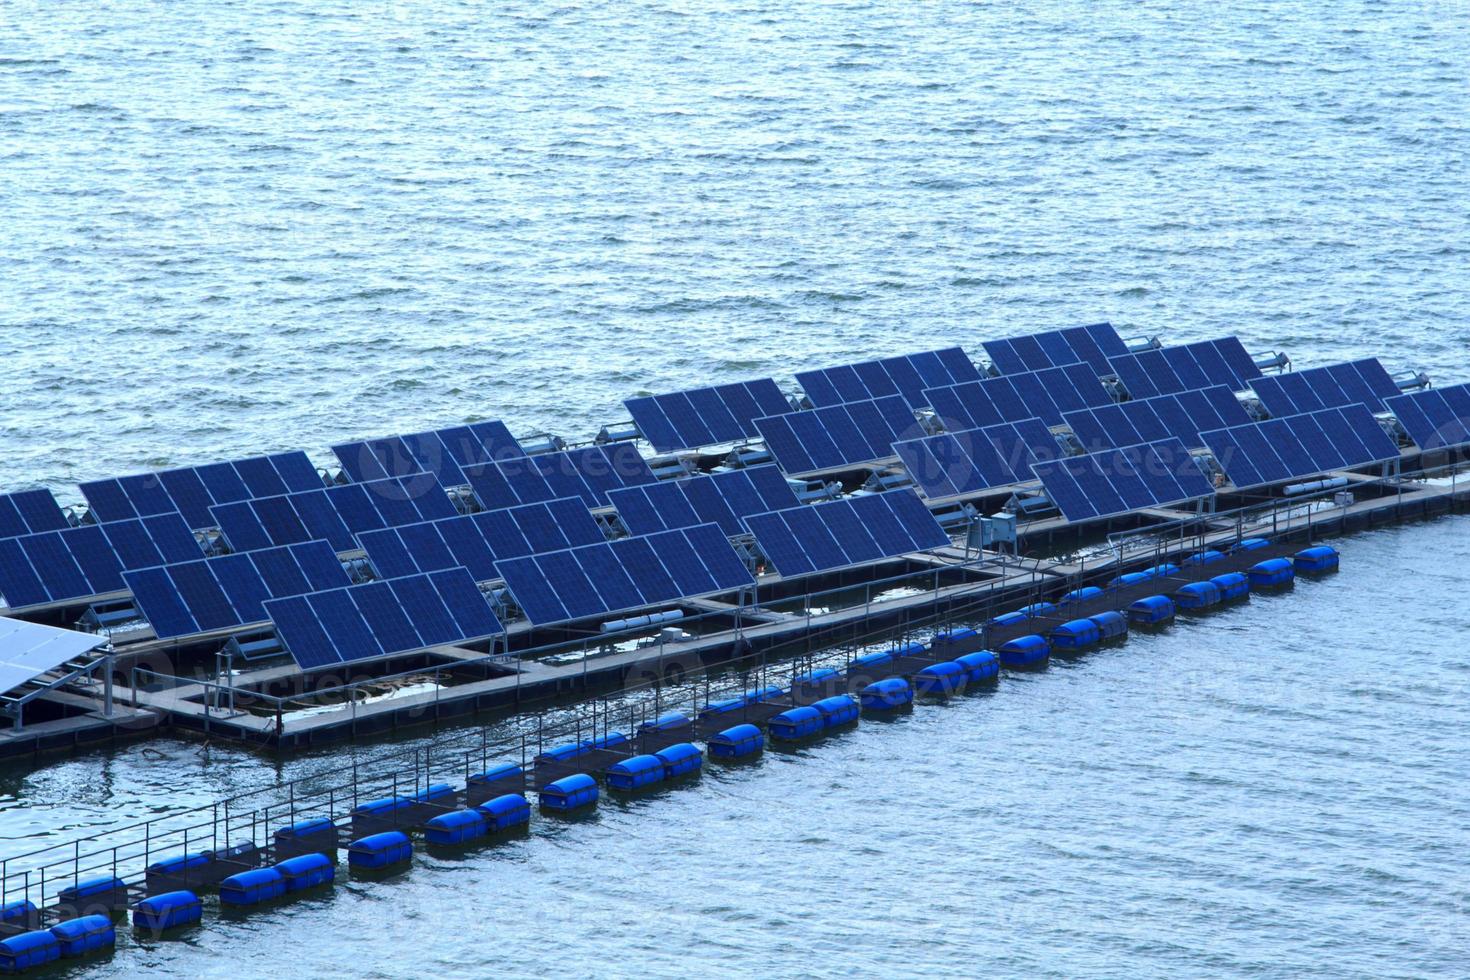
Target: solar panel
{"points": [[442, 453], [1167, 370], [1300, 445], [908, 376], [1046, 395], [633, 573], [1436, 418], [969, 461], [230, 591], [842, 533], [589, 473], [1182, 416], [1115, 481], [83, 562], [475, 542], [725, 499], [30, 512], [336, 514], [838, 436], [382, 619], [1364, 382], [705, 416], [193, 491], [1091, 345], [28, 650]]}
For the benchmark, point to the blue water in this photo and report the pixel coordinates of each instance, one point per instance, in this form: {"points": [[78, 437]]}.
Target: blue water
{"points": [[233, 228]]}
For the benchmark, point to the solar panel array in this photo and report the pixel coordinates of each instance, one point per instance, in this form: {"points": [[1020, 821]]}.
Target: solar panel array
{"points": [[630, 573], [86, 561], [908, 376], [1091, 345], [1183, 416], [381, 619], [957, 463], [443, 453], [1300, 445], [725, 499], [1046, 395], [28, 650], [193, 491], [30, 512], [1115, 481], [477, 541], [846, 532], [232, 590], [1436, 418], [589, 473], [1364, 382], [336, 515], [839, 435], [705, 416], [1171, 369]]}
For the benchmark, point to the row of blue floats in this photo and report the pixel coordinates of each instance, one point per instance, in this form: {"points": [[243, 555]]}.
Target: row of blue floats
{"points": [[311, 869]]}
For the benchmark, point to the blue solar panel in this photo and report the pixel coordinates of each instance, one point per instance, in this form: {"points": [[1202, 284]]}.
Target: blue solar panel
{"points": [[1260, 453], [725, 499], [600, 579], [1436, 418], [1046, 395], [907, 376], [588, 473], [842, 533], [230, 591], [30, 512], [1115, 481], [380, 619], [87, 561], [1173, 369], [1091, 345], [973, 460], [192, 491], [335, 515], [442, 453], [838, 436], [1181, 416], [705, 416], [1355, 382]]}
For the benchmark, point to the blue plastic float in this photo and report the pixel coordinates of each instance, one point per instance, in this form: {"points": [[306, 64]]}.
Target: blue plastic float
{"points": [[738, 742], [505, 812], [379, 851], [887, 694], [940, 680], [1151, 610], [637, 772], [168, 911], [682, 759], [980, 667], [1025, 653], [1273, 573], [569, 793]]}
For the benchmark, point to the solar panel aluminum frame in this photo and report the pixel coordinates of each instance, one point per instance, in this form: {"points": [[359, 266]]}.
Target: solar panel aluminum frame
{"points": [[1115, 482], [906, 375], [1297, 447]]}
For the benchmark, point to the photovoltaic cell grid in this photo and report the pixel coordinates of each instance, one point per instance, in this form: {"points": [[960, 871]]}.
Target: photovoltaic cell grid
{"points": [[1364, 382], [477, 541], [705, 416], [82, 562], [30, 512], [28, 650], [839, 435], [1300, 445], [1183, 416], [336, 515], [232, 590], [589, 473], [841, 533], [1172, 369], [627, 574], [1091, 345], [382, 619], [443, 453], [1046, 395], [956, 463], [193, 491], [1436, 418], [1116, 481], [908, 375], [725, 499]]}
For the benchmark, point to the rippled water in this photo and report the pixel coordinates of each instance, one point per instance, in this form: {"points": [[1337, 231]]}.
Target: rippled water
{"points": [[278, 225]]}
